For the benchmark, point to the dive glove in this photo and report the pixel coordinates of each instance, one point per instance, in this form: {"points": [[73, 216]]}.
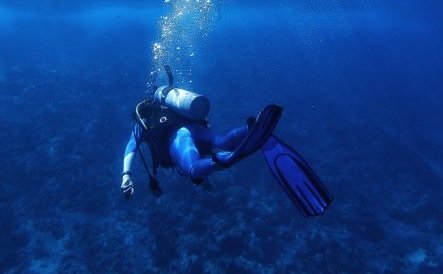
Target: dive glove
{"points": [[127, 185]]}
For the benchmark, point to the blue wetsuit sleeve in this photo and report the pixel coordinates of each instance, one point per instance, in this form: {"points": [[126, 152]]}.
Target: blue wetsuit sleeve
{"points": [[134, 140]]}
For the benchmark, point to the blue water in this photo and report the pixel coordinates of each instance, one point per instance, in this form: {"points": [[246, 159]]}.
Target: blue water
{"points": [[360, 83]]}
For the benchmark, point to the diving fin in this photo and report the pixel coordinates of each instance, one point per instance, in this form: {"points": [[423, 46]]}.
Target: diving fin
{"points": [[258, 134], [296, 177]]}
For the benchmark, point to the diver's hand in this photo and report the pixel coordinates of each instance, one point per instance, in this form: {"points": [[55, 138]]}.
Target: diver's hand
{"points": [[127, 185]]}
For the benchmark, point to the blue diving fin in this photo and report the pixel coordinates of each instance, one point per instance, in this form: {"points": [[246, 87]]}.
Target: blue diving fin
{"points": [[259, 132], [296, 177]]}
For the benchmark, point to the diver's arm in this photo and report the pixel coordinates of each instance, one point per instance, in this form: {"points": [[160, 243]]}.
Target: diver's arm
{"points": [[128, 161]]}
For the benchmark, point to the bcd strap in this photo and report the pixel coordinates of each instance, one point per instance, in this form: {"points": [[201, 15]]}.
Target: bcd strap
{"points": [[165, 93]]}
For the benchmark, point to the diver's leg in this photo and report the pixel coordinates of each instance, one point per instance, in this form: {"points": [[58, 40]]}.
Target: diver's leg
{"points": [[206, 140], [186, 157], [203, 138], [232, 139]]}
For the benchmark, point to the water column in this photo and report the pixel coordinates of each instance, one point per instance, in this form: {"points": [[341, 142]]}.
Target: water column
{"points": [[181, 33]]}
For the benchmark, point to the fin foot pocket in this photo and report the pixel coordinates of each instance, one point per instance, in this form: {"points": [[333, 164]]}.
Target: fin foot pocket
{"points": [[259, 132]]}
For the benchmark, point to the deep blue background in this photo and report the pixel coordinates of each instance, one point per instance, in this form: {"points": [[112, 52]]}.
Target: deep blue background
{"points": [[361, 85]]}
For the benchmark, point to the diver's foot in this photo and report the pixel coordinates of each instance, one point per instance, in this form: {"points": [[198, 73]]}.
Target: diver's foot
{"points": [[155, 188], [217, 157], [203, 183]]}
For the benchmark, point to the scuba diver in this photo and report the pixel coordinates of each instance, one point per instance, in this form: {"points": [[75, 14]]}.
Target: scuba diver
{"points": [[173, 122]]}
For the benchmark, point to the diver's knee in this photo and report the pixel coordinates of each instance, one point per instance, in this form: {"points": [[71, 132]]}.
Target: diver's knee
{"points": [[183, 132]]}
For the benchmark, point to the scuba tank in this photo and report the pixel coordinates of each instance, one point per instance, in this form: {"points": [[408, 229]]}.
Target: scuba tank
{"points": [[187, 103]]}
